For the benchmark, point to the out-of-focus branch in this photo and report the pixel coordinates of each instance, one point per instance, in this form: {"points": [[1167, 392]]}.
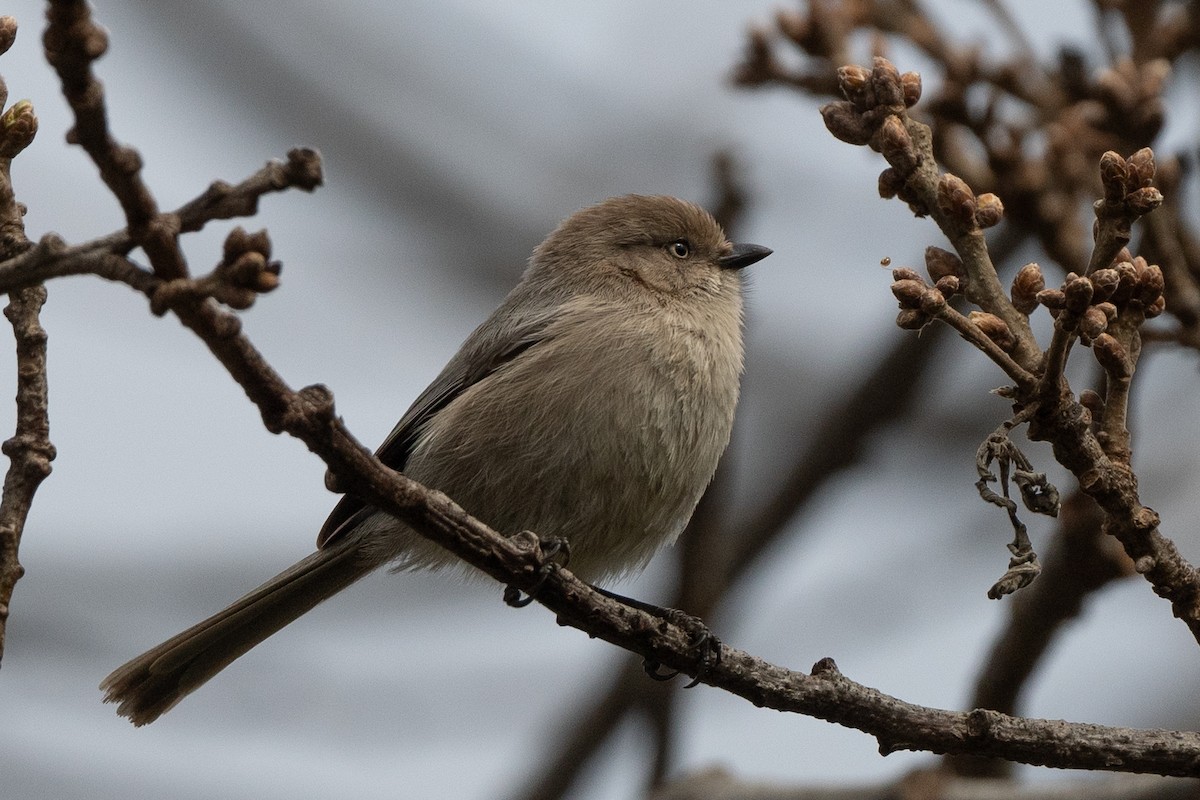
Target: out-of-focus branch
{"points": [[716, 784], [29, 450]]}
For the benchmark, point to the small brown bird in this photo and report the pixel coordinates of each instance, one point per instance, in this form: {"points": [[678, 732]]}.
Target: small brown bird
{"points": [[592, 405]]}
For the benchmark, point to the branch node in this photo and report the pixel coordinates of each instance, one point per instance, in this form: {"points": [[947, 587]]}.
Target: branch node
{"points": [[824, 668]]}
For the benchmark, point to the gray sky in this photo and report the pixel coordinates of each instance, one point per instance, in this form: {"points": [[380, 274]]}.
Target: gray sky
{"points": [[456, 135]]}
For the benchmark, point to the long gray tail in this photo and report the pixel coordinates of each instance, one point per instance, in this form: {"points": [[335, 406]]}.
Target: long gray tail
{"points": [[149, 685]]}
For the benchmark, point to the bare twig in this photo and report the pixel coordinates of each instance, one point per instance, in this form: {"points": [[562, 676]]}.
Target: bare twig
{"points": [[29, 450]]}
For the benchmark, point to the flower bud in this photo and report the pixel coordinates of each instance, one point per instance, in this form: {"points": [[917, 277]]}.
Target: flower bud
{"points": [[1112, 356], [956, 200], [18, 126], [897, 146], [1052, 298], [910, 319], [989, 210], [1104, 283], [909, 292], [1025, 288], [1094, 323], [994, 328], [845, 123], [906, 274], [1078, 293], [939, 263], [1141, 167], [910, 84]]}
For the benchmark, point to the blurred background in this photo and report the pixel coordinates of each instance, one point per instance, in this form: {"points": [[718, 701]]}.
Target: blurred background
{"points": [[455, 135]]}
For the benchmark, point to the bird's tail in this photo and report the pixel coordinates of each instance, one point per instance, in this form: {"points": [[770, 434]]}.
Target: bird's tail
{"points": [[151, 684]]}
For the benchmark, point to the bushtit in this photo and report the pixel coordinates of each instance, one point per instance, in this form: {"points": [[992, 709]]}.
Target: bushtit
{"points": [[592, 405]]}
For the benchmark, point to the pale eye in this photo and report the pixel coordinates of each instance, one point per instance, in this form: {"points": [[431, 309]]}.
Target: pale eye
{"points": [[680, 248]]}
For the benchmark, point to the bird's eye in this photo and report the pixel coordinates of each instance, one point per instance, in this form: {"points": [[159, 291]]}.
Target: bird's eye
{"points": [[680, 248]]}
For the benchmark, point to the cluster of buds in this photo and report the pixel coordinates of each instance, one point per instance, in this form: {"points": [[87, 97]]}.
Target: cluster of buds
{"points": [[920, 302], [246, 270], [1090, 305], [872, 97], [967, 210], [1129, 183]]}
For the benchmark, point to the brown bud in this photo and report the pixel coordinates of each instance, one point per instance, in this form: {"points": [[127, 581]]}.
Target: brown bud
{"points": [[1078, 293], [1112, 356], [994, 328], [1156, 308], [1150, 284], [910, 319], [1052, 298], [1094, 323], [852, 79], [956, 200], [1113, 175], [8, 32], [989, 210], [909, 292], [1025, 288], [259, 242], [1108, 310], [906, 274], [18, 126], [890, 183], [235, 243], [1141, 168], [897, 146], [939, 263], [910, 83], [933, 302], [1093, 402], [885, 80], [949, 285], [1144, 200], [1104, 283], [845, 123], [1128, 275]]}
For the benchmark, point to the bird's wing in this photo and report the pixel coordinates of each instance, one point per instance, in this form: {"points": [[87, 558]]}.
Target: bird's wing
{"points": [[485, 351]]}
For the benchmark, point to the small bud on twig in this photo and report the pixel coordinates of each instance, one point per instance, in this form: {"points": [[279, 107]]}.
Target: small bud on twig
{"points": [[910, 83], [940, 263], [897, 146], [911, 319], [908, 292], [1077, 291], [956, 200], [18, 126], [845, 123], [8, 33], [1104, 283], [994, 328], [1026, 286], [1112, 356], [989, 210]]}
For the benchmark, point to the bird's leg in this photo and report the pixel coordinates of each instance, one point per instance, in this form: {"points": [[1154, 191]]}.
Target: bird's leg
{"points": [[556, 552], [706, 646]]}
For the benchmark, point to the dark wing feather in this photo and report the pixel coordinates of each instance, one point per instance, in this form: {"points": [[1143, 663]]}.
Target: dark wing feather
{"points": [[484, 352]]}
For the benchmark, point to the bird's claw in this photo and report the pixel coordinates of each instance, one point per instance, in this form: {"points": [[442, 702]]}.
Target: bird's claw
{"points": [[706, 646], [555, 552]]}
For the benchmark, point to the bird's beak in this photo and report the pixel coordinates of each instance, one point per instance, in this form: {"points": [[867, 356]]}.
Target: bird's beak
{"points": [[744, 255]]}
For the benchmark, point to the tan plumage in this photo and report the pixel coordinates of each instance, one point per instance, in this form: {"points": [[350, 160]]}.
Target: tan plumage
{"points": [[593, 404]]}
